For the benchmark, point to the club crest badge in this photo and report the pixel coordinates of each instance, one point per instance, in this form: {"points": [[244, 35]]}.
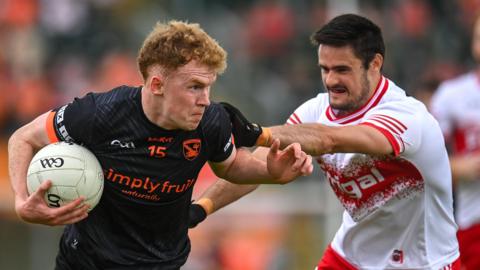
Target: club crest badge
{"points": [[191, 148]]}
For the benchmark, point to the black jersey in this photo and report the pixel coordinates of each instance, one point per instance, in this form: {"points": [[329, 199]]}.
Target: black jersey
{"points": [[141, 221]]}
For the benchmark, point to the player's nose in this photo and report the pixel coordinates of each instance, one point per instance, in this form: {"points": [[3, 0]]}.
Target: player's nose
{"points": [[204, 97], [330, 79]]}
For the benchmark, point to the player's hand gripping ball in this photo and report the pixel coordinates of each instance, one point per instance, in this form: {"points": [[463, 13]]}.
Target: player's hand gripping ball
{"points": [[73, 170]]}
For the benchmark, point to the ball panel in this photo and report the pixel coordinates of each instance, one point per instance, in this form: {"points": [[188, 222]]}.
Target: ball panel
{"points": [[33, 183], [73, 170], [52, 197], [67, 178]]}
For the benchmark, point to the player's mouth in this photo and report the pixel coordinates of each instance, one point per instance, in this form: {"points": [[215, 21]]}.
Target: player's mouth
{"points": [[337, 90], [197, 116]]}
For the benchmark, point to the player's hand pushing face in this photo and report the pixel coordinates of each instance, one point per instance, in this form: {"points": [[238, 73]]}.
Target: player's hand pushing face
{"points": [[35, 209], [289, 163]]}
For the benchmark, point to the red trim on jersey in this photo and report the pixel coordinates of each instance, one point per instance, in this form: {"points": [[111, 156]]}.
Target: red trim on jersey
{"points": [[388, 123], [293, 119], [294, 115], [460, 141], [469, 242], [331, 260], [372, 102], [388, 135], [456, 265], [49, 126], [395, 120], [385, 124]]}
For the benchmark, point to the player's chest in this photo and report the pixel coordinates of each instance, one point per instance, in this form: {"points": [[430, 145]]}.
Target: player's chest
{"points": [[364, 183], [358, 176], [150, 152]]}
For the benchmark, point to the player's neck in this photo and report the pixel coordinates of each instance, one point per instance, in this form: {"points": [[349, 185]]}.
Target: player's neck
{"points": [[152, 109]]}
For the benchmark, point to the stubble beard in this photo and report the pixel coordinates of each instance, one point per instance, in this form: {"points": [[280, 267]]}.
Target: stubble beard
{"points": [[355, 103]]}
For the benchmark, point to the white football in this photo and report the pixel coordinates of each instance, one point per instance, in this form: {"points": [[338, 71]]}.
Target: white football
{"points": [[73, 170]]}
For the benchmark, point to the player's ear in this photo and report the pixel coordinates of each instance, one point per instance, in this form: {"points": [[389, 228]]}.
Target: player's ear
{"points": [[156, 85], [377, 62]]}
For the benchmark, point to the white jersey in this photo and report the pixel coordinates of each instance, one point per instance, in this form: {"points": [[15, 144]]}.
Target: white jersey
{"points": [[398, 208], [456, 105]]}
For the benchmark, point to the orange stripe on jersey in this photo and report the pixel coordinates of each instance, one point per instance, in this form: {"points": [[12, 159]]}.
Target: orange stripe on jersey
{"points": [[49, 126]]}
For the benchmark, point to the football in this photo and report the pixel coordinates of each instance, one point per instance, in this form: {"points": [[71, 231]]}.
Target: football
{"points": [[73, 170]]}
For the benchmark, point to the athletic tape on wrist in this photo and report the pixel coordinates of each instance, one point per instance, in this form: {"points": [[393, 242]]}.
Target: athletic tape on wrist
{"points": [[207, 205], [265, 139]]}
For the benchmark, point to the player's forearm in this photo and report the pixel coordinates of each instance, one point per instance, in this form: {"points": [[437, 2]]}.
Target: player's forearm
{"points": [[20, 152], [315, 139], [222, 193], [318, 139], [22, 145], [246, 169]]}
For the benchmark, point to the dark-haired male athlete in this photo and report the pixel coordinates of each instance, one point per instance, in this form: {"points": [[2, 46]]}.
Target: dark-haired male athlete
{"points": [[382, 152]]}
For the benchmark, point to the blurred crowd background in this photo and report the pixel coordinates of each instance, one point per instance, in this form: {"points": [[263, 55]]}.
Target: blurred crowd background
{"points": [[54, 50]]}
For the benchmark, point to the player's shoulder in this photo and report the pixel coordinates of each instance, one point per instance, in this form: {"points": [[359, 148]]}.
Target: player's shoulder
{"points": [[214, 110], [214, 115], [397, 99], [319, 102], [119, 94], [321, 99]]}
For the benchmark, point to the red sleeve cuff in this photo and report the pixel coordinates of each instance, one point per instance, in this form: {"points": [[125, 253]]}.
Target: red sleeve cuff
{"points": [[393, 142]]}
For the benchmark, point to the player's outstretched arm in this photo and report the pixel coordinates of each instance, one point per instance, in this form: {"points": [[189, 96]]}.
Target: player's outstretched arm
{"points": [[282, 166], [22, 145], [315, 139]]}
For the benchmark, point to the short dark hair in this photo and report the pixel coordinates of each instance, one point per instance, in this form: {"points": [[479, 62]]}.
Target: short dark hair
{"points": [[353, 30]]}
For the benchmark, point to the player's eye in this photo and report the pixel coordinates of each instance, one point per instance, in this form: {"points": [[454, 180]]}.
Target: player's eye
{"points": [[196, 87], [342, 69]]}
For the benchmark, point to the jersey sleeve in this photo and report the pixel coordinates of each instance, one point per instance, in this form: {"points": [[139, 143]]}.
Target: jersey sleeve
{"points": [[218, 133], [72, 122], [400, 123], [308, 112]]}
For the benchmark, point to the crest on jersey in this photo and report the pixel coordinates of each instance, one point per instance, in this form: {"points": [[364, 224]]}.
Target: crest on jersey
{"points": [[191, 148]]}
